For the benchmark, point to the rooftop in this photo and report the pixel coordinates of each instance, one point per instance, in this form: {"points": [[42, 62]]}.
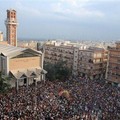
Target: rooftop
{"points": [[7, 50], [11, 10], [117, 42], [1, 32], [10, 51]]}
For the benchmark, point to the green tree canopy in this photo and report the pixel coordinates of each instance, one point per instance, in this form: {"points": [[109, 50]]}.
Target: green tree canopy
{"points": [[57, 71], [4, 86]]}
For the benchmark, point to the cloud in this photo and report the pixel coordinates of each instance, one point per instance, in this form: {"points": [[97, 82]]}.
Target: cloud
{"points": [[61, 9], [76, 8], [88, 13], [72, 2], [27, 9]]}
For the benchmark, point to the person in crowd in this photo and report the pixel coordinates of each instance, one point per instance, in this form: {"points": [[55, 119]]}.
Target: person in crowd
{"points": [[83, 99]]}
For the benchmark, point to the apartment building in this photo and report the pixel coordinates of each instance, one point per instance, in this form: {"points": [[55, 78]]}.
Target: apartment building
{"points": [[27, 44], [92, 62], [22, 65], [55, 52], [82, 60], [113, 69], [2, 39]]}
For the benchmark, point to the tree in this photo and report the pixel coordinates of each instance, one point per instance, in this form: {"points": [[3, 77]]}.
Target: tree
{"points": [[57, 71], [4, 86], [50, 71], [62, 71]]}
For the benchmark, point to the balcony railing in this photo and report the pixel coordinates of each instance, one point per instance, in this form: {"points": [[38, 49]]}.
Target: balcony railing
{"points": [[11, 21], [114, 55]]}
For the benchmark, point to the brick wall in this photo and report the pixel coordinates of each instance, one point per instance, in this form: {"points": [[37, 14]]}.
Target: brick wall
{"points": [[24, 63]]}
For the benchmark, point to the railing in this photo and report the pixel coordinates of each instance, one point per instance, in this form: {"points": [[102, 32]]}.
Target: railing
{"points": [[113, 48], [114, 62], [115, 55], [11, 22]]}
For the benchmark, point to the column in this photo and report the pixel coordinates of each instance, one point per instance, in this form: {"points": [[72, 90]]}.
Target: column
{"points": [[7, 65], [35, 82], [44, 77], [27, 81], [17, 85], [39, 77]]}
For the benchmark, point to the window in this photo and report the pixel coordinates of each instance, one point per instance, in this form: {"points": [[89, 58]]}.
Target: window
{"points": [[99, 55]]}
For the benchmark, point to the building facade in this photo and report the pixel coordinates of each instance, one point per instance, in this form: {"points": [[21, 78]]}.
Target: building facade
{"points": [[92, 62], [2, 41], [11, 27], [22, 65], [1, 36], [113, 69], [83, 61], [53, 54]]}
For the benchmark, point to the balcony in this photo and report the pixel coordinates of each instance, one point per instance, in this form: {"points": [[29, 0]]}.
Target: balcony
{"points": [[13, 22], [114, 62], [115, 55], [98, 62], [113, 48]]}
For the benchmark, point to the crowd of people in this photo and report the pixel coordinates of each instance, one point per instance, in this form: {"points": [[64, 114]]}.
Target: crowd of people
{"points": [[88, 100]]}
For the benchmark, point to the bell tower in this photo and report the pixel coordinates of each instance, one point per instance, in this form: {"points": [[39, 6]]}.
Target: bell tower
{"points": [[11, 27]]}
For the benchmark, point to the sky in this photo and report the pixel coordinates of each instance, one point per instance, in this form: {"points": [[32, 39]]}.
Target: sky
{"points": [[65, 19]]}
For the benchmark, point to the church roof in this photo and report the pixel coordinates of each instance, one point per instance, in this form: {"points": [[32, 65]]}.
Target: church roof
{"points": [[11, 51]]}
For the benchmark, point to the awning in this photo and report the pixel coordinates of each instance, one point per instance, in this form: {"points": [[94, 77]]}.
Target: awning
{"points": [[17, 74], [43, 71], [31, 72]]}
